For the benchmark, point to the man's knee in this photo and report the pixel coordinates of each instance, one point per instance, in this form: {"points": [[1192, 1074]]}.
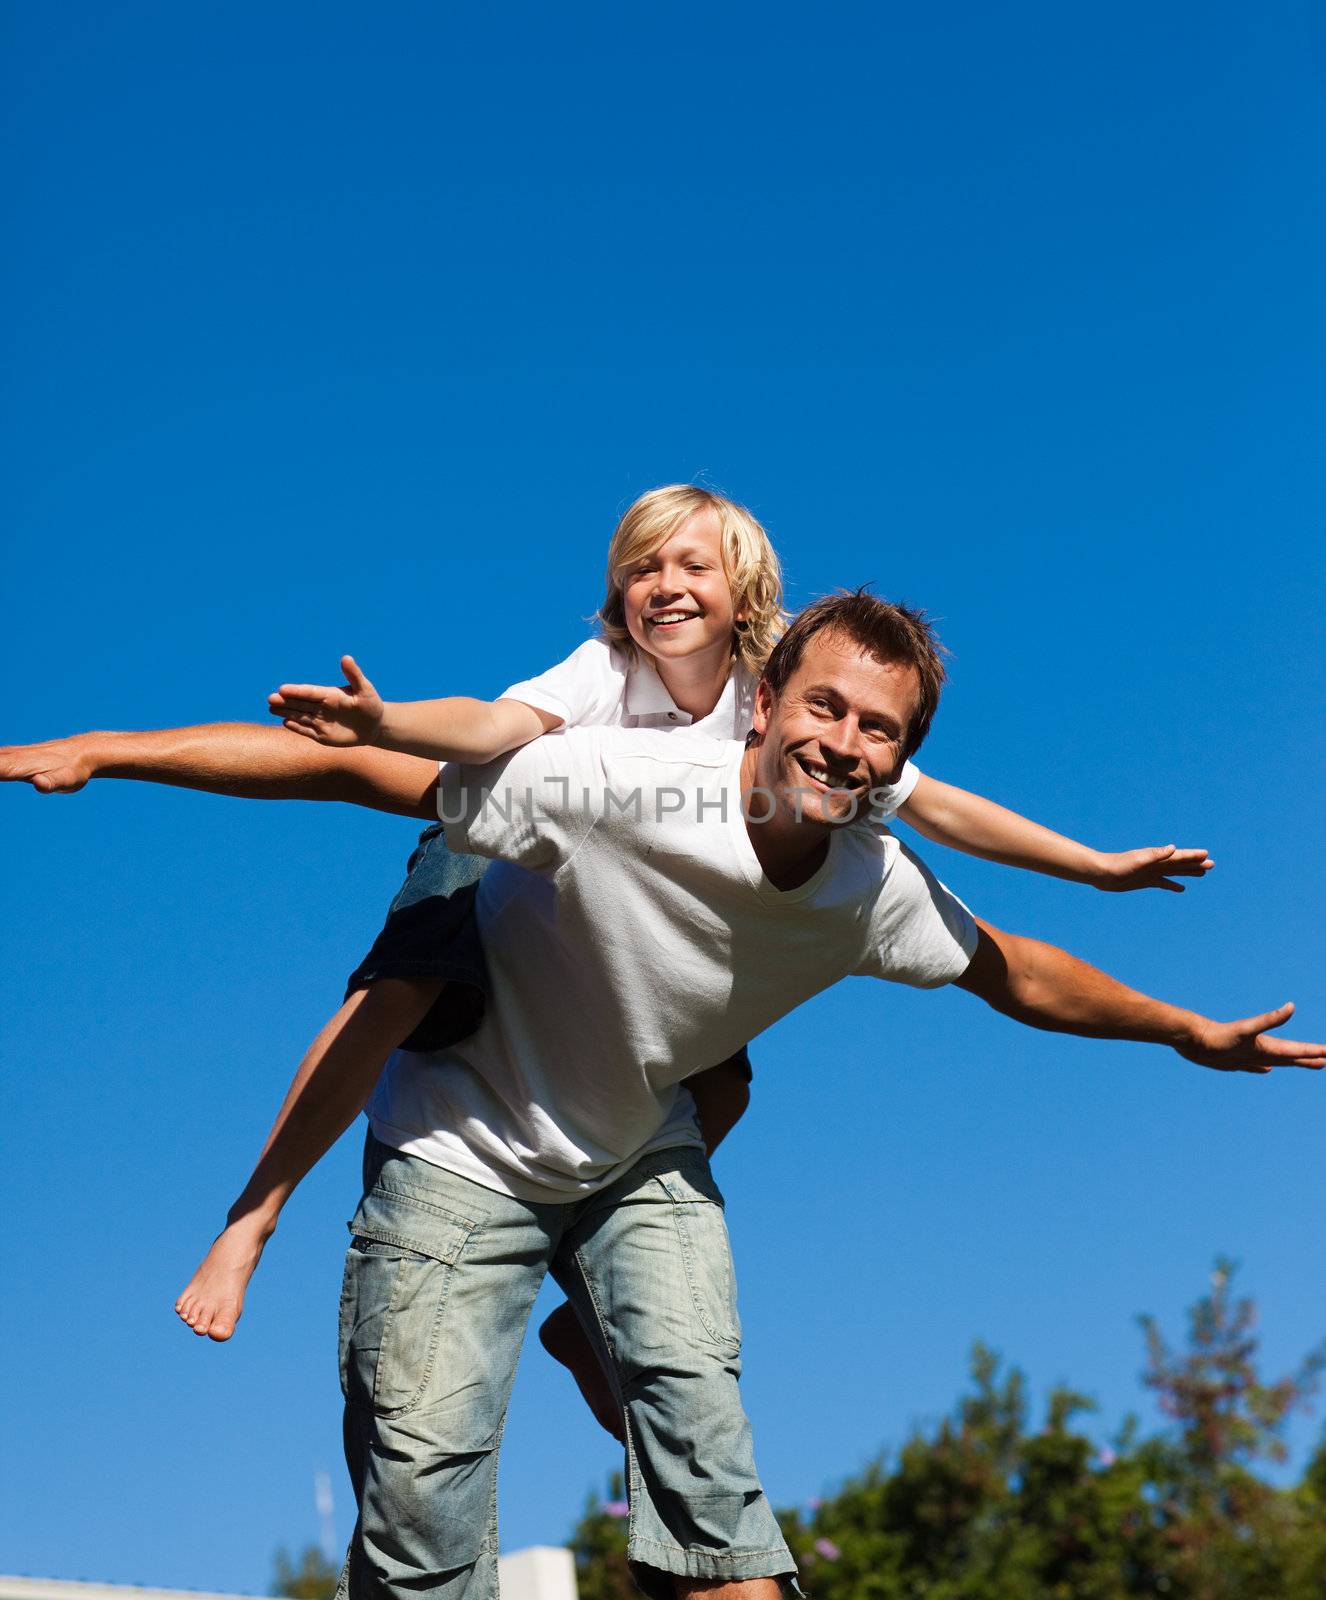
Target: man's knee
{"points": [[427, 1508]]}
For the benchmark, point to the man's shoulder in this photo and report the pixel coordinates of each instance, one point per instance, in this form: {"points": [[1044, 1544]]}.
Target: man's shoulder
{"points": [[918, 931]]}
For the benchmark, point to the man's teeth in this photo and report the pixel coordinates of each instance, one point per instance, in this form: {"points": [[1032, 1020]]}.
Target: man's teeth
{"points": [[821, 775]]}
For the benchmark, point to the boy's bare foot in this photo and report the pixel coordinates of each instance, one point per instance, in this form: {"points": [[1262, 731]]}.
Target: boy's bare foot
{"points": [[214, 1299], [566, 1341]]}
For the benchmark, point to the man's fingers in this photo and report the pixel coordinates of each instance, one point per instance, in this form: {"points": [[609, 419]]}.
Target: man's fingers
{"points": [[57, 782], [1299, 1051], [1250, 1026], [1168, 883]]}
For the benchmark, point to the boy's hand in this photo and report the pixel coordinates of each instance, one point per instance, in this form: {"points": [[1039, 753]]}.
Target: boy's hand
{"points": [[59, 766], [1146, 869], [1246, 1046], [351, 714]]}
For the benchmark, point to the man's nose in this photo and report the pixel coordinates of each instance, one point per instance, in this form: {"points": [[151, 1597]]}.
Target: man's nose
{"points": [[841, 741]]}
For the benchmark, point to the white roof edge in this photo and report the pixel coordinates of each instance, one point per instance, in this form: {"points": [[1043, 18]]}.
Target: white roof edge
{"points": [[15, 1588]]}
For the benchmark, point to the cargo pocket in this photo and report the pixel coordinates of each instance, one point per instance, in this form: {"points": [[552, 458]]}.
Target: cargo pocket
{"points": [[697, 1210], [403, 1252]]}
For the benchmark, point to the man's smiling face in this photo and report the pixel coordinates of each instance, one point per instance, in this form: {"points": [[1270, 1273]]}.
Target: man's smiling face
{"points": [[835, 732]]}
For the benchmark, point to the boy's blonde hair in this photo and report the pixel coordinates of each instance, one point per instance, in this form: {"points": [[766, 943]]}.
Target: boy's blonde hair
{"points": [[752, 569]]}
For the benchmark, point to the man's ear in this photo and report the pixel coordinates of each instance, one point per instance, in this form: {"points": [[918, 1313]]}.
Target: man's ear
{"points": [[763, 710]]}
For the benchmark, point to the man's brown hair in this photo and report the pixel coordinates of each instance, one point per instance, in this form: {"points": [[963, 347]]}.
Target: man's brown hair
{"points": [[890, 633]]}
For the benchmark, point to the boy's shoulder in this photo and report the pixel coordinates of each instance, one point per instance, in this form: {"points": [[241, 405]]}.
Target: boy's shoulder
{"points": [[678, 748], [597, 654], [587, 686]]}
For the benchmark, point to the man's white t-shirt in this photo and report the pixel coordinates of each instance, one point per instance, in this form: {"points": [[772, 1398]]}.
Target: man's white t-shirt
{"points": [[632, 941], [604, 685]]}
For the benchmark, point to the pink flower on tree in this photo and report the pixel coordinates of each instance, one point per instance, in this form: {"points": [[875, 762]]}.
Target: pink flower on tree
{"points": [[616, 1508], [827, 1549]]}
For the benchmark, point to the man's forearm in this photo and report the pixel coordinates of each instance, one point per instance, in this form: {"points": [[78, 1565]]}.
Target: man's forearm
{"points": [[1047, 988], [235, 758]]}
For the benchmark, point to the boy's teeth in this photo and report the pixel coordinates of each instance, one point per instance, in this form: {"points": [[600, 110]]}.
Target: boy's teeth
{"points": [[671, 616]]}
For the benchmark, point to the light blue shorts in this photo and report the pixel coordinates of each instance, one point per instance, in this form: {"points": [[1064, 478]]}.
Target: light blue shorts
{"points": [[439, 1281]]}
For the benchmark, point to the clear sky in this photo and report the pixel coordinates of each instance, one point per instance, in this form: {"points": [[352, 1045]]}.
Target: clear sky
{"points": [[354, 328]]}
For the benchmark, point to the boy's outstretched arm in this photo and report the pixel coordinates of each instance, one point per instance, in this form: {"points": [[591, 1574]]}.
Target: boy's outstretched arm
{"points": [[236, 758], [965, 821], [1047, 988], [328, 1092], [456, 729]]}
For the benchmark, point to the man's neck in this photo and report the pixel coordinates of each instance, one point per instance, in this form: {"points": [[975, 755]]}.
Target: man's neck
{"points": [[697, 682], [790, 851]]}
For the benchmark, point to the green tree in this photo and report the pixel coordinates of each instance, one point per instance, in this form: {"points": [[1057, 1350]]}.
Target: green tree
{"points": [[598, 1544], [982, 1508], [1226, 1533], [313, 1579]]}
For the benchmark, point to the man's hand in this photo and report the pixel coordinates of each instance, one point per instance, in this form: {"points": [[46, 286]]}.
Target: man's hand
{"points": [[1244, 1046], [1047, 988], [59, 766], [351, 714], [1149, 869]]}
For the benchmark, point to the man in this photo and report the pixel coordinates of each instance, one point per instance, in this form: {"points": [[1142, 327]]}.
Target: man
{"points": [[677, 897]]}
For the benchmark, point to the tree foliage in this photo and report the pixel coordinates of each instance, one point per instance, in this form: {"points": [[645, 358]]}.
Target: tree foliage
{"points": [[987, 1507], [314, 1578]]}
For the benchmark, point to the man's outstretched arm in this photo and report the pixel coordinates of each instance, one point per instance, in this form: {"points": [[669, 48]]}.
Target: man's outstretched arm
{"points": [[1047, 988], [237, 758]]}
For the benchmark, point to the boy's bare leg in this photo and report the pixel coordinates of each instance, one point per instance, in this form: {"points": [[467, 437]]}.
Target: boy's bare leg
{"points": [[328, 1092], [721, 1096]]}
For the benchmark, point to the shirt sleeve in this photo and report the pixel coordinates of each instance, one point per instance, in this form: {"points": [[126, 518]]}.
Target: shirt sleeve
{"points": [[920, 932], [532, 807], [889, 799], [585, 690]]}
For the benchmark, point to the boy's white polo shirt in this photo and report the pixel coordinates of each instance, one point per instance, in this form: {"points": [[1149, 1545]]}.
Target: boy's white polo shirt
{"points": [[602, 685], [639, 945]]}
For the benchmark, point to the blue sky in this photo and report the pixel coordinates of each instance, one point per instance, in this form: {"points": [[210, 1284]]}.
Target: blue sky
{"points": [[339, 329]]}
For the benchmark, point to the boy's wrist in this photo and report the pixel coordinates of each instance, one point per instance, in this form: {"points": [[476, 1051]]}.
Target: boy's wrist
{"points": [[261, 1219], [1096, 867], [385, 731]]}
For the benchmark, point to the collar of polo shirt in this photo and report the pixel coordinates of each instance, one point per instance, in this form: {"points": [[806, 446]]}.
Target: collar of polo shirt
{"points": [[646, 695]]}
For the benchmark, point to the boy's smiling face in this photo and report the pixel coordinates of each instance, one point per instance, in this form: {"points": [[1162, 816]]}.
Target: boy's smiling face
{"points": [[677, 599]]}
